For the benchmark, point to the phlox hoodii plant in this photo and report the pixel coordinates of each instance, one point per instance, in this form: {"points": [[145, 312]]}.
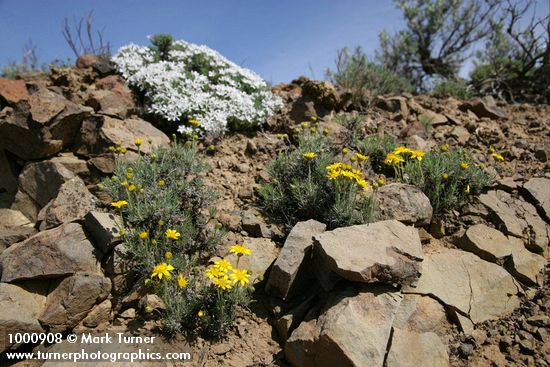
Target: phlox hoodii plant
{"points": [[193, 81]]}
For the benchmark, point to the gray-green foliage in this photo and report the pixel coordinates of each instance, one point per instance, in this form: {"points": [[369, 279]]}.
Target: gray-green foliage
{"points": [[356, 73], [440, 176], [164, 191], [300, 189], [377, 147]]}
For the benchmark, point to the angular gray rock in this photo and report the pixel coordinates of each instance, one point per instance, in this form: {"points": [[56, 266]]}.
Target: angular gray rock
{"points": [[353, 329], [411, 349], [420, 333], [538, 188], [293, 254], [474, 287], [104, 229], [98, 132], [20, 311], [518, 218], [72, 203], [264, 252], [98, 315], [388, 252], [42, 180], [14, 227], [53, 253], [487, 243], [72, 299], [405, 203], [524, 265]]}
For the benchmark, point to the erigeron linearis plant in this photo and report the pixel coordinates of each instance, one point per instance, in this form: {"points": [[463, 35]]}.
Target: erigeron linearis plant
{"points": [[194, 81], [167, 236]]}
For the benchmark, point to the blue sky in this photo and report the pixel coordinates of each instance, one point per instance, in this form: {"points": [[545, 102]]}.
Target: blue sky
{"points": [[279, 39]]}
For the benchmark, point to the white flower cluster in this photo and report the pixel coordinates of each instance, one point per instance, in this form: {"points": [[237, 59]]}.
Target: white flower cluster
{"points": [[196, 82]]}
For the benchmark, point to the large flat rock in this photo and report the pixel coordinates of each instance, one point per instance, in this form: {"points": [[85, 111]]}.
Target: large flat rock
{"points": [[405, 203], [387, 251], [353, 329], [539, 189], [474, 287], [57, 252], [20, 311]]}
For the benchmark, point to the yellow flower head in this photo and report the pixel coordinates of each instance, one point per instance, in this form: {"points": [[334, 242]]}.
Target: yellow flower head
{"points": [[464, 166], [313, 118], [417, 154], [381, 181], [129, 175], [498, 157], [172, 234], [304, 125], [182, 281], [491, 149], [161, 183], [393, 159], [194, 122], [132, 188], [200, 313], [143, 235], [444, 148], [363, 184], [240, 276], [445, 176], [223, 265], [168, 255], [313, 130], [361, 157], [138, 142], [162, 270], [325, 131], [345, 151], [223, 283], [213, 272], [375, 184], [122, 232], [467, 189], [309, 155], [353, 159], [402, 150], [240, 250], [119, 204], [123, 150]]}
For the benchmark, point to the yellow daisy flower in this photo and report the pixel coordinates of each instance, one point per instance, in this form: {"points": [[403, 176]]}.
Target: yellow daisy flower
{"points": [[309, 155], [464, 166], [240, 250], [240, 276], [361, 157], [119, 204], [182, 281], [162, 270], [417, 154], [223, 283], [223, 265], [213, 272], [143, 235], [498, 157], [138, 142], [172, 234]]}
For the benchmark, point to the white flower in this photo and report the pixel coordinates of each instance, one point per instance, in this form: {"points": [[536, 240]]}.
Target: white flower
{"points": [[177, 89]]}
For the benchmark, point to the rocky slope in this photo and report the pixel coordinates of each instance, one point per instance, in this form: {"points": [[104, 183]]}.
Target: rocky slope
{"points": [[468, 289]]}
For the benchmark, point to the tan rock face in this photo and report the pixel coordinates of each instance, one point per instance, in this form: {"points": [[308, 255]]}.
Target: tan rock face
{"points": [[297, 246], [387, 251], [405, 203], [518, 218], [42, 180], [56, 252], [72, 299], [13, 91], [476, 288], [72, 203], [100, 132], [487, 243], [539, 189], [20, 311], [353, 329]]}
